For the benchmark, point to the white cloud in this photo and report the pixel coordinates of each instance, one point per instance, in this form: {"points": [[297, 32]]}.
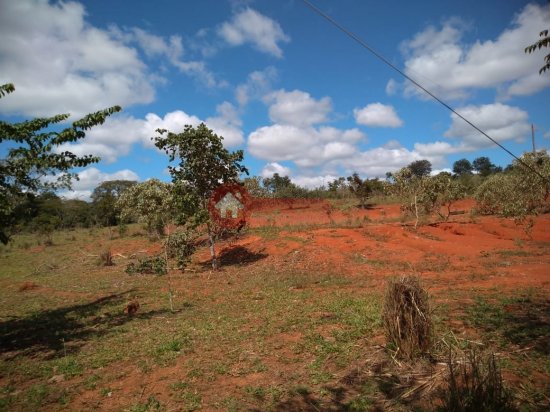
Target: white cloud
{"points": [[377, 115], [501, 122], [250, 26], [227, 124], [171, 49], [61, 64], [117, 135], [391, 87], [376, 162], [257, 85], [438, 149], [313, 182], [90, 178], [297, 108], [271, 168], [305, 146], [451, 68]]}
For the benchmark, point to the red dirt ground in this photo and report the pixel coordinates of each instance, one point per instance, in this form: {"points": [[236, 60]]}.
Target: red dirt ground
{"points": [[466, 253]]}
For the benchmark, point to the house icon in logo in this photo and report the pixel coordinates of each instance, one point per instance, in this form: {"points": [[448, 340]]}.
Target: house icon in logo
{"points": [[229, 203]]}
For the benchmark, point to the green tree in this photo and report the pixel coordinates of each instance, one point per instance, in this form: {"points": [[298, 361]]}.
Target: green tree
{"points": [[104, 198], [362, 189], [424, 195], [519, 192], [278, 185], [420, 168], [484, 167], [149, 202], [462, 167], [543, 42], [33, 163], [203, 165], [254, 186]]}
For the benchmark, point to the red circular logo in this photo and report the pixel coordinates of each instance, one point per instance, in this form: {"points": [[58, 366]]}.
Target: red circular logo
{"points": [[228, 206]]}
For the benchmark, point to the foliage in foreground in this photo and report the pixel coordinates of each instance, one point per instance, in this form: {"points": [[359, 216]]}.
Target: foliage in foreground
{"points": [[34, 163]]}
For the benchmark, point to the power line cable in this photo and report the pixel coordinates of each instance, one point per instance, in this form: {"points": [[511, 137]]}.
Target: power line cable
{"points": [[381, 57]]}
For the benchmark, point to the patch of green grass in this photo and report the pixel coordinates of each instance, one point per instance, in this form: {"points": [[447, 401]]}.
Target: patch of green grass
{"points": [[190, 399], [36, 395], [68, 366], [152, 404]]}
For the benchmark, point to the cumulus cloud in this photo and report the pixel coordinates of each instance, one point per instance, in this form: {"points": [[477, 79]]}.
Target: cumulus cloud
{"points": [[257, 85], [169, 50], [297, 108], [117, 135], [453, 68], [227, 124], [377, 115], [250, 26], [61, 64], [271, 168], [312, 182], [90, 178], [306, 147], [500, 121]]}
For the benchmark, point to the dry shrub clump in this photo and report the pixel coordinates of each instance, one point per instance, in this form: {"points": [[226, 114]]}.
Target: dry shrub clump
{"points": [[106, 258], [407, 318], [475, 384]]}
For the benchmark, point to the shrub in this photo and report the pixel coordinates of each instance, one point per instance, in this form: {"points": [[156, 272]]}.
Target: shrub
{"points": [[476, 385], [519, 192], [155, 265], [106, 258], [406, 317], [181, 246]]}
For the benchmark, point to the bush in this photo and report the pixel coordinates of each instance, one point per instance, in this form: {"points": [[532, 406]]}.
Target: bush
{"points": [[106, 258], [517, 193], [181, 246], [406, 317], [476, 385], [155, 265]]}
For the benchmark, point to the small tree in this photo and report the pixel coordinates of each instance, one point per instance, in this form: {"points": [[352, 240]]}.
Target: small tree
{"points": [[420, 168], [254, 186], [149, 202], [203, 165], [484, 167], [104, 198], [424, 195], [362, 189], [279, 186], [519, 192], [462, 167], [24, 169], [543, 42]]}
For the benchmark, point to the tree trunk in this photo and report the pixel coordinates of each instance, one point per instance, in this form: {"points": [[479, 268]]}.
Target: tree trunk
{"points": [[215, 265]]}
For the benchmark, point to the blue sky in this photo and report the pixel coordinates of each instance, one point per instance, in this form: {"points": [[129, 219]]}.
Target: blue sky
{"points": [[278, 81]]}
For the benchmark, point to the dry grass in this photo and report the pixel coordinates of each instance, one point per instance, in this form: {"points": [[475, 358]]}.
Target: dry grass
{"points": [[407, 317]]}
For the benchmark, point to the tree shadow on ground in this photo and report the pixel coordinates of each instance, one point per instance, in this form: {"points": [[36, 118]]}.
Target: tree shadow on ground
{"points": [[236, 255], [527, 323], [50, 333]]}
